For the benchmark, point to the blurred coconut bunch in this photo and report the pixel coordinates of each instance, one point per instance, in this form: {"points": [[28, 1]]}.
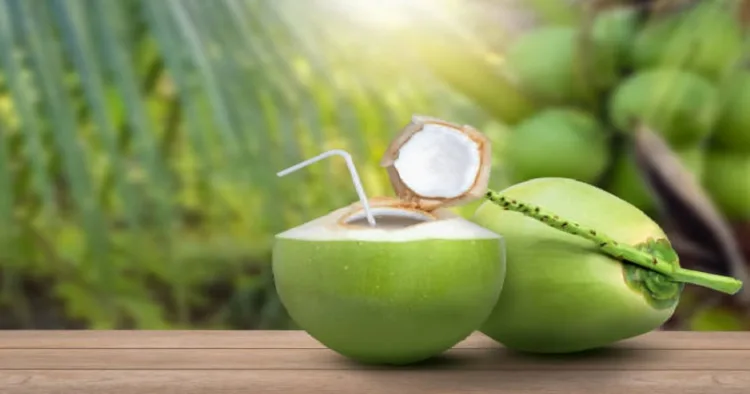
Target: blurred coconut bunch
{"points": [[649, 100]]}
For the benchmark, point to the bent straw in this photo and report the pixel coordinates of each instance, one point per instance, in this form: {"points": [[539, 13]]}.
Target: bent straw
{"points": [[352, 171]]}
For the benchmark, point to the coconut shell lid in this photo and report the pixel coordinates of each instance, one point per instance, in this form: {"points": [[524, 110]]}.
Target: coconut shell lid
{"points": [[433, 163]]}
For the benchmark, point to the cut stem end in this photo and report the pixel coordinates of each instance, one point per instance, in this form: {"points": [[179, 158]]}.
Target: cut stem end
{"points": [[719, 283]]}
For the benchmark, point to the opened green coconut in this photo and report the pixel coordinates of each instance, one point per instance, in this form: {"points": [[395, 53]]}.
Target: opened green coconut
{"points": [[584, 268], [421, 278]]}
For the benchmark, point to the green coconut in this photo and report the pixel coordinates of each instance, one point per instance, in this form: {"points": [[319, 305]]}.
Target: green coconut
{"points": [[612, 33], [550, 144], [679, 105], [564, 64], [707, 40], [627, 183], [727, 181], [732, 132], [546, 63], [418, 281], [584, 268]]}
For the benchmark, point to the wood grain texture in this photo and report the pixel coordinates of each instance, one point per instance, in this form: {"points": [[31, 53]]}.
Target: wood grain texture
{"points": [[117, 339], [186, 362], [372, 382]]}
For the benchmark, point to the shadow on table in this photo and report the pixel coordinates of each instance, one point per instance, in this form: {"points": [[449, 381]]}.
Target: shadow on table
{"points": [[506, 359], [487, 370]]}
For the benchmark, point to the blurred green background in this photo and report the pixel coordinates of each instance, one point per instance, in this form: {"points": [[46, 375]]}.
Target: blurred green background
{"points": [[139, 139]]}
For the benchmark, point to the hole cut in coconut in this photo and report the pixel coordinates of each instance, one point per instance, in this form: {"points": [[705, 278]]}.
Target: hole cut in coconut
{"points": [[389, 218], [437, 163]]}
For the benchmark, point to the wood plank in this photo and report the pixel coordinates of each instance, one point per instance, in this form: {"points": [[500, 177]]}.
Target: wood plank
{"points": [[187, 362], [300, 340], [373, 382], [323, 359]]}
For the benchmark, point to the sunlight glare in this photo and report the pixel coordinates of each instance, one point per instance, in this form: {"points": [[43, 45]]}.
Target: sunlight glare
{"points": [[385, 14]]}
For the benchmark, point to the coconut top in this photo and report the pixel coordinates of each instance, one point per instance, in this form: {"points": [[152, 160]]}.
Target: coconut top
{"points": [[397, 221], [434, 163]]}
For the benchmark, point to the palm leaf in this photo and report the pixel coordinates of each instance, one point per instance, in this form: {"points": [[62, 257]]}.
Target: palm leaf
{"points": [[141, 134]]}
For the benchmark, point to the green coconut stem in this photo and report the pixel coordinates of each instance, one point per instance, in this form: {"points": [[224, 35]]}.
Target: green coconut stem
{"points": [[720, 283], [618, 250]]}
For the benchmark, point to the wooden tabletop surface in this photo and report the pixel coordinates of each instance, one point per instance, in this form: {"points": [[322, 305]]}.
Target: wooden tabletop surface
{"points": [[255, 362]]}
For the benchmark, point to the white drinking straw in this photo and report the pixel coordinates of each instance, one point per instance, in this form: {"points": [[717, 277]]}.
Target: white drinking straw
{"points": [[352, 171]]}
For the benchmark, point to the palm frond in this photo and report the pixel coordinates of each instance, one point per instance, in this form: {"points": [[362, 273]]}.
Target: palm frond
{"points": [[138, 135]]}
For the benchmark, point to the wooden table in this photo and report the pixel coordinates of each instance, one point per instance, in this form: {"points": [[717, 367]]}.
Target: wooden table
{"points": [[254, 362]]}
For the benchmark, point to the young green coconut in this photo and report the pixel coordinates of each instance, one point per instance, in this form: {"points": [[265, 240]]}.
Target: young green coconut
{"points": [[585, 271], [727, 181], [599, 272], [706, 38], [546, 62], [550, 143], [732, 131], [611, 35], [680, 105], [398, 280]]}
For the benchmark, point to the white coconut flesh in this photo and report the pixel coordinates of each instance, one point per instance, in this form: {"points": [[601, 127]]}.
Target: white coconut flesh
{"points": [[393, 225], [439, 162]]}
